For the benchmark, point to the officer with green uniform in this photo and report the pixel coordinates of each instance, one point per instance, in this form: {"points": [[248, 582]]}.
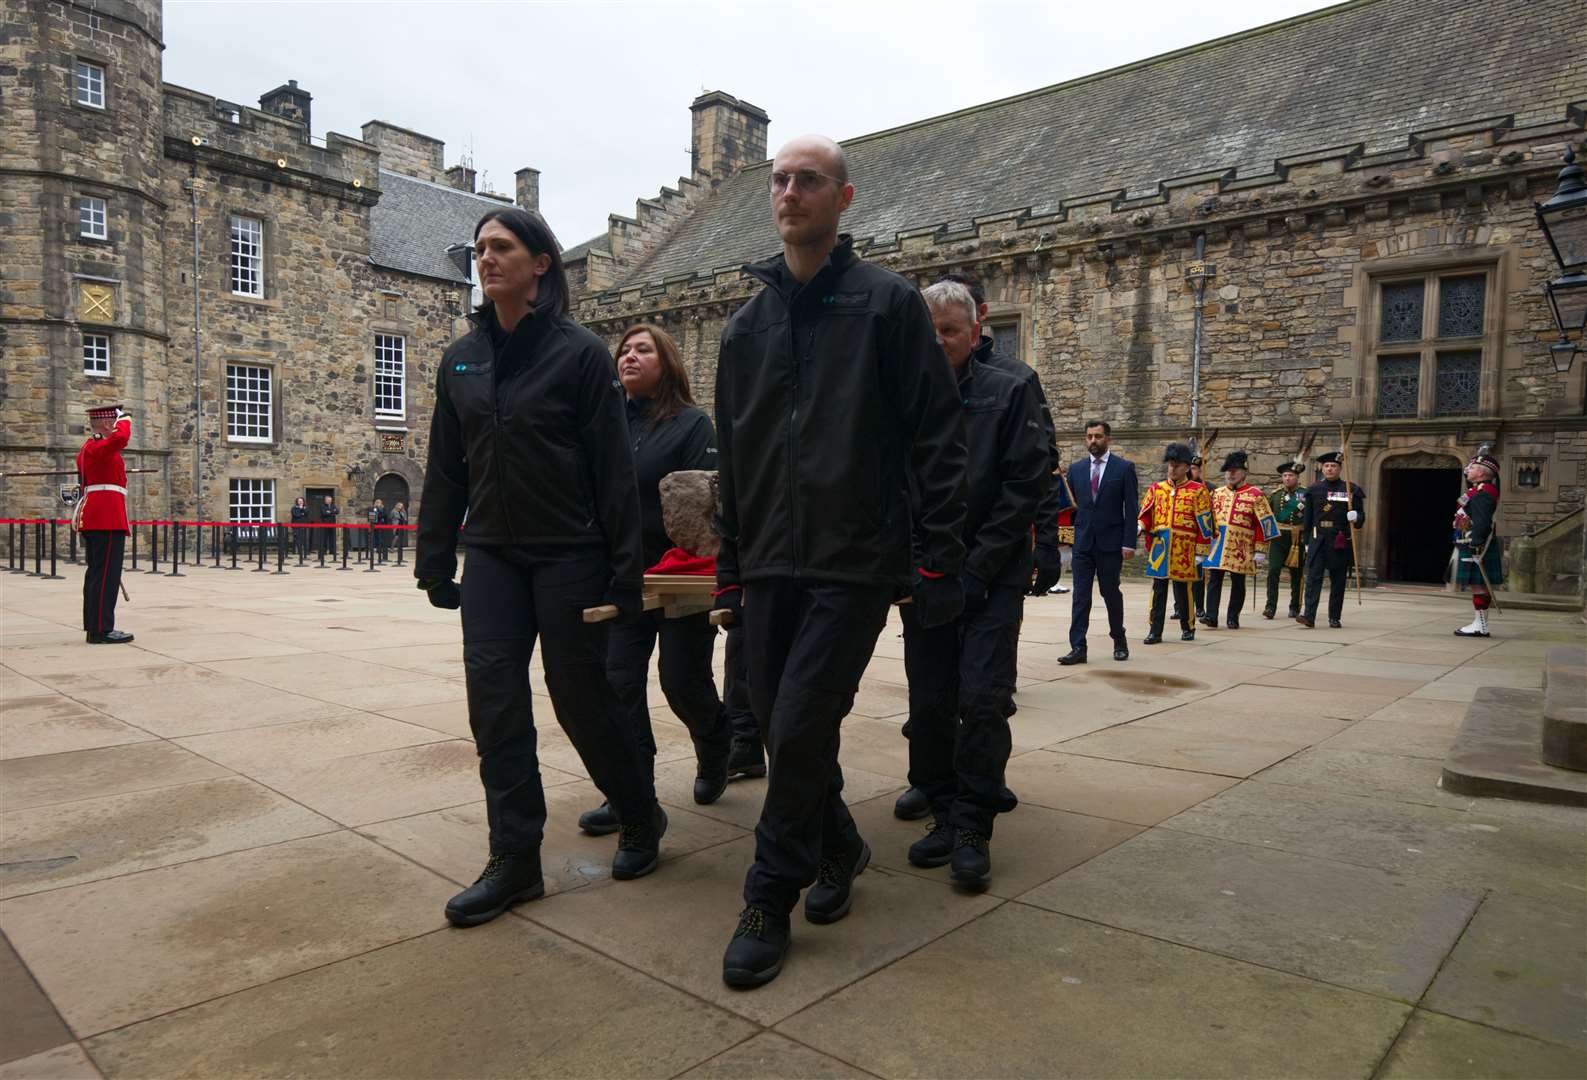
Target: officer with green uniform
{"points": [[1288, 550]]}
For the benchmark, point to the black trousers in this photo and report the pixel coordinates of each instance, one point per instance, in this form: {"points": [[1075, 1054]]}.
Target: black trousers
{"points": [[1198, 590], [102, 582], [961, 694], [300, 541], [808, 644], [327, 540], [1103, 567], [687, 681], [1160, 602], [1324, 557], [511, 595], [735, 689], [1277, 553], [1215, 594]]}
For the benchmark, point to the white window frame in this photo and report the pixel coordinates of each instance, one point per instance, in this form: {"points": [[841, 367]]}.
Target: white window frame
{"points": [[250, 403], [96, 355], [92, 218], [391, 376], [247, 256], [88, 84], [251, 499]]}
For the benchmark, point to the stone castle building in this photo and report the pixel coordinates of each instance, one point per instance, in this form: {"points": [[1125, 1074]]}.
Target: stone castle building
{"points": [[269, 304], [1360, 182], [1357, 184]]}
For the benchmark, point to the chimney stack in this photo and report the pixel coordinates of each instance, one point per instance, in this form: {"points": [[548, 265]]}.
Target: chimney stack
{"points": [[529, 189], [727, 134], [288, 102], [461, 177]]}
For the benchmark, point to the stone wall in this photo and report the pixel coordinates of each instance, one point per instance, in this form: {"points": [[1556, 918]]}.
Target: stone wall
{"points": [[1098, 300]]}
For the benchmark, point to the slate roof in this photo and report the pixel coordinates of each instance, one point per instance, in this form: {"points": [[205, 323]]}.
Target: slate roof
{"points": [[601, 242], [415, 221], [1372, 72]]}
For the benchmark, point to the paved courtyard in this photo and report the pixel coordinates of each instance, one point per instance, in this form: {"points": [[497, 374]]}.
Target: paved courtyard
{"points": [[225, 851]]}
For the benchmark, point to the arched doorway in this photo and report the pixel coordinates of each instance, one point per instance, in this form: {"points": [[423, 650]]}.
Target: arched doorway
{"points": [[392, 489], [1418, 502]]}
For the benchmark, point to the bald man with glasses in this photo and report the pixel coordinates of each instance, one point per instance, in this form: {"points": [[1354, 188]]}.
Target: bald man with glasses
{"points": [[833, 402]]}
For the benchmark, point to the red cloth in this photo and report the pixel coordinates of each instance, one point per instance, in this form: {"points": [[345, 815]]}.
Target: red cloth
{"points": [[678, 561], [99, 462]]}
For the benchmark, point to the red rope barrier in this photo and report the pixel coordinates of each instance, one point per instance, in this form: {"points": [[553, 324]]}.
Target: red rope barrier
{"points": [[227, 524]]}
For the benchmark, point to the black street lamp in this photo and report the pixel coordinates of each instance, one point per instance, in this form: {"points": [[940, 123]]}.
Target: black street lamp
{"points": [[1563, 220]]}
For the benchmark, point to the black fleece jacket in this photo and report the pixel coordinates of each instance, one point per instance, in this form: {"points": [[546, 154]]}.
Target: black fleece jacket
{"points": [[829, 396], [529, 439]]}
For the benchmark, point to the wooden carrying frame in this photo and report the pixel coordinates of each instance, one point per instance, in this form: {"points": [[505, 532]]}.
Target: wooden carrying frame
{"points": [[676, 595]]}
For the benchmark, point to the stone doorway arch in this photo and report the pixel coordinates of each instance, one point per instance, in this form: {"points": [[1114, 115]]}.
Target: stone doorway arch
{"points": [[1415, 504]]}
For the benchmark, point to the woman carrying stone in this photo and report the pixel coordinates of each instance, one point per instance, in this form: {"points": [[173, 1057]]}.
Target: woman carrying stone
{"points": [[668, 434], [529, 440]]}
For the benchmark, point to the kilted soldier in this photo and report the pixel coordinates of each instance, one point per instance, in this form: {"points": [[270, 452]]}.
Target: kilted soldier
{"points": [[1333, 508], [1286, 554], [1480, 553], [1244, 523], [101, 518], [1176, 517]]}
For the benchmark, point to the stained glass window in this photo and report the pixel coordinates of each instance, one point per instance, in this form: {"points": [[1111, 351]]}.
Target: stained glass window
{"points": [[1458, 384], [1399, 379], [1402, 312], [1460, 301]]}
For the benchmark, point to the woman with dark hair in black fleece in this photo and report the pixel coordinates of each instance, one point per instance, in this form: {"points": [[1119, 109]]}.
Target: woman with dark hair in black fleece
{"points": [[529, 441], [669, 434]]}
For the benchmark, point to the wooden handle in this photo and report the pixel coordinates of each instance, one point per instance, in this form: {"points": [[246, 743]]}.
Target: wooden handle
{"points": [[721, 617], [603, 613]]}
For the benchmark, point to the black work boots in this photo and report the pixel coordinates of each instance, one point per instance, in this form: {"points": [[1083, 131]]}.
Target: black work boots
{"points": [[505, 881]]}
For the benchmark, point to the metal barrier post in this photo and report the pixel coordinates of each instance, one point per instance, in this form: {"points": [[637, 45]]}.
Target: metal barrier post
{"points": [[319, 546], [22, 549], [173, 547], [53, 529], [38, 548], [133, 529], [344, 550], [259, 539], [215, 543], [154, 548], [71, 540], [281, 549], [369, 551], [234, 547], [11, 546]]}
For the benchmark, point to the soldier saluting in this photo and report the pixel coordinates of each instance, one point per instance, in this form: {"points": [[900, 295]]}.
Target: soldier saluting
{"points": [[1333, 509], [101, 517], [1287, 551]]}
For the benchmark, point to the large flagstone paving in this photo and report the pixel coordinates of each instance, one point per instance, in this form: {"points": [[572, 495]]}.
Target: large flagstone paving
{"points": [[224, 851]]}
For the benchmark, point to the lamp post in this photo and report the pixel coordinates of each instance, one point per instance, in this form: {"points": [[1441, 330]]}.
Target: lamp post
{"points": [[1563, 220]]}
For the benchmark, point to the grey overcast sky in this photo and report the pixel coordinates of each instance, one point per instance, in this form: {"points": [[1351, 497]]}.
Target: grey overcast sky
{"points": [[595, 93]]}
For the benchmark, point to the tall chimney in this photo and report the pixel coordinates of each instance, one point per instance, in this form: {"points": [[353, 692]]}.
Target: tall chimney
{"points": [[727, 134], [460, 177], [529, 188], [288, 102]]}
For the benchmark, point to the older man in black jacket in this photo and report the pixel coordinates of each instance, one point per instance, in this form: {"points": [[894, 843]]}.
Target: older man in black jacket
{"points": [[962, 674], [832, 396]]}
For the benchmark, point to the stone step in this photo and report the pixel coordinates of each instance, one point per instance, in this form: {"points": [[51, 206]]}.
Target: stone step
{"points": [[1517, 601], [1565, 707], [1497, 752]]}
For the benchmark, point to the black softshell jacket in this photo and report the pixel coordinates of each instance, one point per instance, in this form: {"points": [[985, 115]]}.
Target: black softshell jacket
{"points": [[529, 439], [828, 397], [679, 443], [1006, 473], [1052, 500]]}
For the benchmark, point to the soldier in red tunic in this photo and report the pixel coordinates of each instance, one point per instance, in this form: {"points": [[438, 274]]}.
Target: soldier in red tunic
{"points": [[101, 516]]}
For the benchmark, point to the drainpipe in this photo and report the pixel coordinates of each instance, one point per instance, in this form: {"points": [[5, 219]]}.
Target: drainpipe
{"points": [[1198, 272], [194, 186]]}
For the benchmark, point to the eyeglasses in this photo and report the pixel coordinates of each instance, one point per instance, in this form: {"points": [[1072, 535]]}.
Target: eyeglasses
{"points": [[804, 179]]}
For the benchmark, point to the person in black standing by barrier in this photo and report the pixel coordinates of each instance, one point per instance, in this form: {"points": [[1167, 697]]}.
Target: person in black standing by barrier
{"points": [[529, 441], [668, 434], [376, 545], [399, 517], [832, 398], [329, 512], [300, 535]]}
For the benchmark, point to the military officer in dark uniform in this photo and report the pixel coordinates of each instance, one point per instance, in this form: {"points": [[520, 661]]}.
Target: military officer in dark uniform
{"points": [[1288, 551], [1333, 509]]}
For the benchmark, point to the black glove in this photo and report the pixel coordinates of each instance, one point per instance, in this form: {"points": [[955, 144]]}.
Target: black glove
{"points": [[443, 594], [730, 598], [1049, 568], [938, 600], [628, 598]]}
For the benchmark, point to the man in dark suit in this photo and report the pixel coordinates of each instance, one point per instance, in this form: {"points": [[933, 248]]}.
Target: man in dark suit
{"points": [[1107, 503]]}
